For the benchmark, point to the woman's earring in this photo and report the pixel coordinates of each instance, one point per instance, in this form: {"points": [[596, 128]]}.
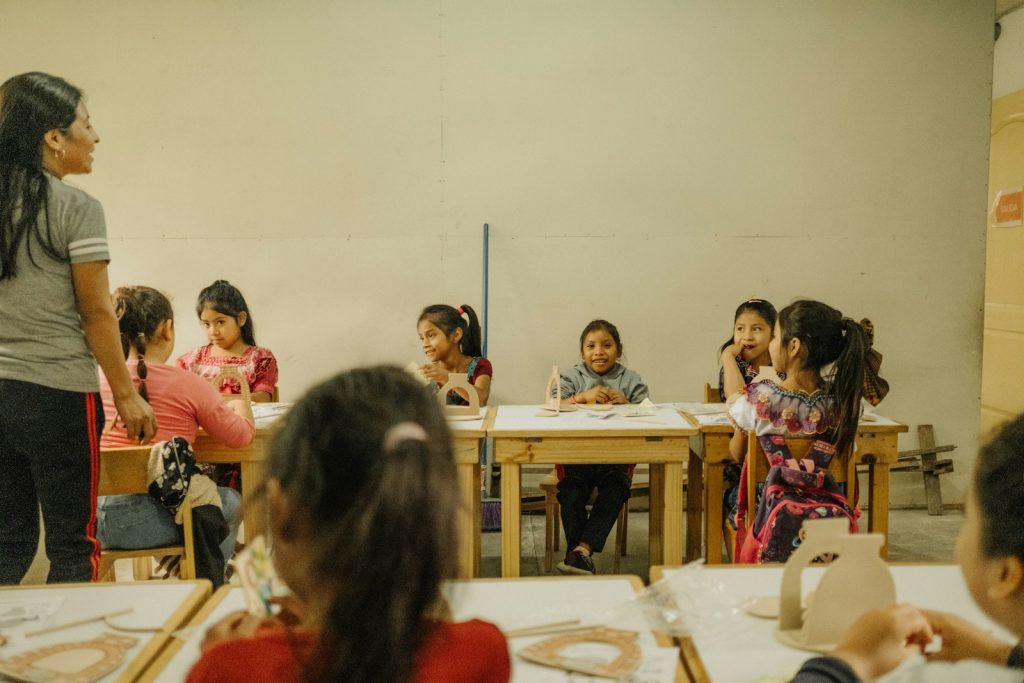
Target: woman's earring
{"points": [[59, 153]]}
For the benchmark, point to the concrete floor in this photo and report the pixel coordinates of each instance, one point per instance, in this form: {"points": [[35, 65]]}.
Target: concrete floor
{"points": [[914, 536]]}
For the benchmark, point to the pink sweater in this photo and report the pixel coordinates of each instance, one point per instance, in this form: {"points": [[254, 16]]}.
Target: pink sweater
{"points": [[183, 402]]}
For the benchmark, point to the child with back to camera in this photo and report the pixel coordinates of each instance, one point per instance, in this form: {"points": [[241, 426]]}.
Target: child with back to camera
{"points": [[809, 337], [453, 344], [990, 551], [599, 378], [363, 503], [227, 323], [183, 403]]}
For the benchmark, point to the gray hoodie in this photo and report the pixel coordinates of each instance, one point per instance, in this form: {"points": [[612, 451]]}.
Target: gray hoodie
{"points": [[580, 378]]}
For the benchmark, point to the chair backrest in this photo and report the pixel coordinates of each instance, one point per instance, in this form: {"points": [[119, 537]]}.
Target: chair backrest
{"points": [[711, 394], [123, 470], [843, 467]]}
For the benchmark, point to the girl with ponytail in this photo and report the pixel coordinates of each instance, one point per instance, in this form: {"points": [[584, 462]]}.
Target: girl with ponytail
{"points": [[183, 402], [452, 343], [363, 500], [823, 355]]}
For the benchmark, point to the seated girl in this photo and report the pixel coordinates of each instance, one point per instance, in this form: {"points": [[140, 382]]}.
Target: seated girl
{"points": [[363, 502], [183, 402]]}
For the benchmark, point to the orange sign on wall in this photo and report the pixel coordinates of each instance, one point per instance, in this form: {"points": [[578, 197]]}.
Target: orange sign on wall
{"points": [[1009, 210]]}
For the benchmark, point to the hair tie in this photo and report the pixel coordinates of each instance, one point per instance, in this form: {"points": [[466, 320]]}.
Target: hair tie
{"points": [[755, 301], [459, 310], [401, 432]]}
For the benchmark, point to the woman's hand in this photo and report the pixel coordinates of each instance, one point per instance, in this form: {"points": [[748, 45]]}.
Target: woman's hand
{"points": [[963, 640], [137, 416], [435, 372], [881, 640]]}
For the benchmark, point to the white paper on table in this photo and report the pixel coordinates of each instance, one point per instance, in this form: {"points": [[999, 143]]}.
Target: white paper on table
{"points": [[696, 409], [265, 414], [19, 613]]}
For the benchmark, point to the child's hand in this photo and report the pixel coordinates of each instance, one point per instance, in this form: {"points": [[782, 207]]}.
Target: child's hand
{"points": [[234, 626], [435, 372], [293, 610], [731, 352], [616, 397], [881, 640], [594, 395], [963, 640]]}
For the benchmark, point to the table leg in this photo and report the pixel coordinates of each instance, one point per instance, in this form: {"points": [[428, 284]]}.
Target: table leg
{"points": [[694, 506], [656, 516], [469, 518], [878, 522], [714, 489], [510, 520], [254, 507], [672, 528]]}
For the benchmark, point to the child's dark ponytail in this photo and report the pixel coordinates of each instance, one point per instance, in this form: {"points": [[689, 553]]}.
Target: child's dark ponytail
{"points": [[847, 382], [829, 338], [140, 311], [448, 319], [472, 344], [226, 299]]}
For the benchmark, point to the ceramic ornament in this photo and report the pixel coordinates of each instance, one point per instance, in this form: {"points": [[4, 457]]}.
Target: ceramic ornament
{"points": [[553, 396], [231, 372], [78, 662], [568, 652], [459, 380], [857, 582]]}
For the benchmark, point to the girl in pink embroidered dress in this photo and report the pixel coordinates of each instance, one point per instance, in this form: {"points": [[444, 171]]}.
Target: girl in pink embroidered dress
{"points": [[225, 318]]}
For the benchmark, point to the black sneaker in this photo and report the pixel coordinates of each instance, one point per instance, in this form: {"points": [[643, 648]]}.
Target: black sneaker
{"points": [[576, 563]]}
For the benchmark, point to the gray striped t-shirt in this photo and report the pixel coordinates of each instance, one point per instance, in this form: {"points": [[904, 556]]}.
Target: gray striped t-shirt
{"points": [[41, 338]]}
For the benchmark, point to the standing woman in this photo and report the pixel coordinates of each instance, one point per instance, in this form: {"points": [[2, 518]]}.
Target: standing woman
{"points": [[56, 322]]}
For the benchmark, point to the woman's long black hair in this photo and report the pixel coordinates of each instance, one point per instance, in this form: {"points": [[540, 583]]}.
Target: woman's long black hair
{"points": [[31, 105]]}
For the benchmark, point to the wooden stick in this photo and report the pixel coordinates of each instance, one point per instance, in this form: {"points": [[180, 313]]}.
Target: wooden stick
{"points": [[70, 624], [551, 627]]}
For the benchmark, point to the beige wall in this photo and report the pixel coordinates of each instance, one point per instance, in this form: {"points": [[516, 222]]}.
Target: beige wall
{"points": [[649, 162]]}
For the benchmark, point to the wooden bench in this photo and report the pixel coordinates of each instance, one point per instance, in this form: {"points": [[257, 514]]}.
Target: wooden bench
{"points": [[924, 460]]}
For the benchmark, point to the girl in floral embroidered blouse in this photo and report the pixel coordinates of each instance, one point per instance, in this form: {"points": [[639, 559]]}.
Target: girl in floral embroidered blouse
{"points": [[225, 319], [809, 337]]}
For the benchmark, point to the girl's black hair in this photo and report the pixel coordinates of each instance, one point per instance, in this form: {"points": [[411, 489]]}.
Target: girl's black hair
{"points": [[224, 297], [448, 319], [828, 337], [757, 306], [140, 311], [999, 491], [384, 517], [31, 105], [599, 324]]}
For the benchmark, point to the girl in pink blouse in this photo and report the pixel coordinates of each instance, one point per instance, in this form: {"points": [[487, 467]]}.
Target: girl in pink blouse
{"points": [[225, 319]]}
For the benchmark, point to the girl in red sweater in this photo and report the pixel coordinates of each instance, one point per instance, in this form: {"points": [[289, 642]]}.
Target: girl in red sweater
{"points": [[363, 499]]}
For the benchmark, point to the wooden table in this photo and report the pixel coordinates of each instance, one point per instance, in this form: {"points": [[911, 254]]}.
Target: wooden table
{"points": [[505, 603], [709, 654], [521, 437], [518, 603], [876, 447], [469, 437], [251, 459], [163, 606]]}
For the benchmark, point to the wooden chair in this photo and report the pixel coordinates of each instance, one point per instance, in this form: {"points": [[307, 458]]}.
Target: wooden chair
{"points": [[123, 471], [275, 397], [552, 520], [711, 394], [843, 469]]}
